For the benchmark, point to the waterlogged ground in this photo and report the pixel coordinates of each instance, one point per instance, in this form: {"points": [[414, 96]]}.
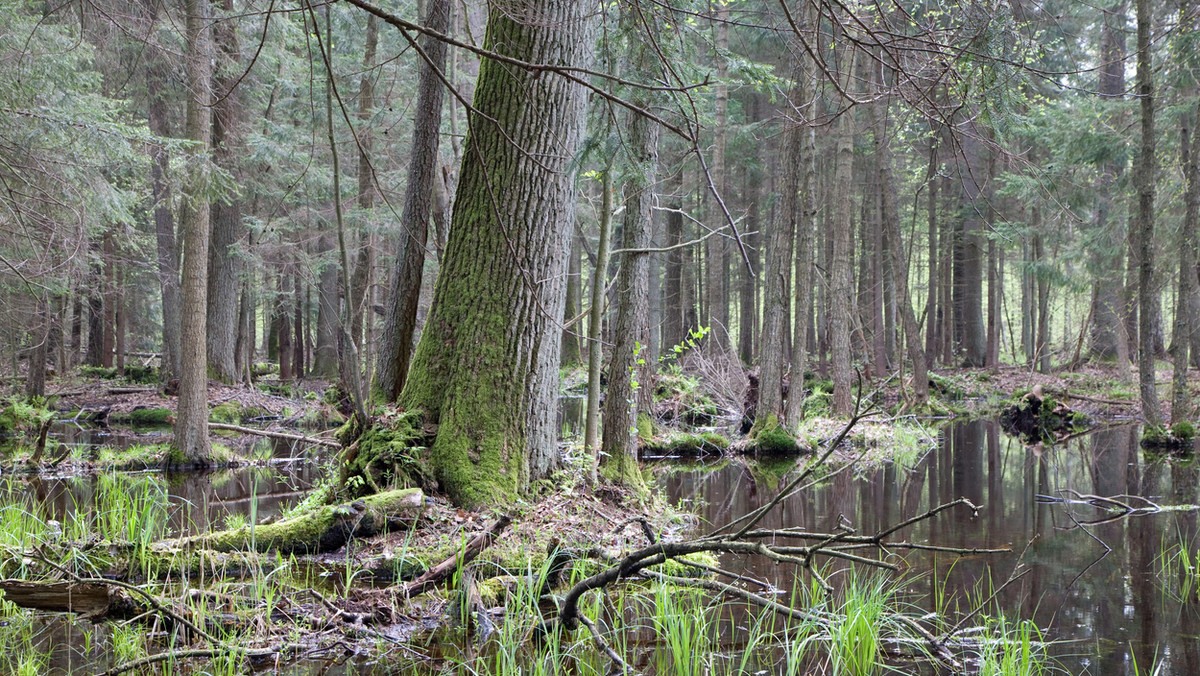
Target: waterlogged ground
{"points": [[1104, 593]]}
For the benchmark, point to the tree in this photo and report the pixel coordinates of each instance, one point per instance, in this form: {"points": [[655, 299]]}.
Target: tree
{"points": [[191, 419], [1147, 169], [486, 368], [400, 324]]}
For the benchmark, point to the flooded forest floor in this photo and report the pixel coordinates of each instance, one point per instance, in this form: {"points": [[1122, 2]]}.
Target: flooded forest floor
{"points": [[924, 544]]}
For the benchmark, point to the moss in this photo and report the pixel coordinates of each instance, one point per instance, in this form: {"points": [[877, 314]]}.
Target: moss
{"points": [[686, 444], [678, 567], [774, 439], [324, 528], [229, 412], [104, 372], [136, 457], [146, 416], [383, 456], [645, 426], [1183, 431]]}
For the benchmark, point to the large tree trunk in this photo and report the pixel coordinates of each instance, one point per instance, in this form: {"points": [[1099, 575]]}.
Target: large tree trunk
{"points": [[191, 420], [1107, 251], [1147, 171], [777, 290], [486, 367], [224, 266], [400, 324], [627, 373], [841, 285]]}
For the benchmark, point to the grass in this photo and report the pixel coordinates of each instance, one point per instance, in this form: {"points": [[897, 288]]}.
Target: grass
{"points": [[1013, 650], [1177, 568]]}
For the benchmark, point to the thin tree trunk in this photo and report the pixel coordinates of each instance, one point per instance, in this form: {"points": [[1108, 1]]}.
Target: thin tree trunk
{"points": [[363, 270], [777, 290], [805, 219], [570, 348], [400, 324], [716, 271], [1182, 408], [591, 433]]}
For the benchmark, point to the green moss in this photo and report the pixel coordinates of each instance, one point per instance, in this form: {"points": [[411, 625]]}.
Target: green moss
{"points": [[104, 372], [317, 529], [774, 439], [1183, 431], [383, 456], [645, 426], [146, 416], [678, 567], [686, 444], [229, 413]]}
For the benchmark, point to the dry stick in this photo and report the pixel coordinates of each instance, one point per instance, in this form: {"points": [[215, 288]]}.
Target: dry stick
{"points": [[1016, 574], [758, 514], [187, 654], [274, 435], [607, 649], [436, 575]]}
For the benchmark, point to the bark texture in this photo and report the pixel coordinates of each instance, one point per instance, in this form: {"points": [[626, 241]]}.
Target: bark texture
{"points": [[1147, 170], [191, 419], [400, 323], [626, 375], [486, 367]]}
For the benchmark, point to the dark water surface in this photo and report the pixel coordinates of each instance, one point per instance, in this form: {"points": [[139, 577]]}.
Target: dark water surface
{"points": [[1104, 610]]}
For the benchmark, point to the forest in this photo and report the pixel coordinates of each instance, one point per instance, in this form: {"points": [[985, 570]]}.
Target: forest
{"points": [[645, 337]]}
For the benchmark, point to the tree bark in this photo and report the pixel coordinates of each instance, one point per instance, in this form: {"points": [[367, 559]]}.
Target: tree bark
{"points": [[570, 347], [486, 367], [164, 223], [777, 290], [191, 420], [400, 324], [1181, 407], [841, 285], [1147, 172], [715, 248], [224, 265], [364, 268], [1107, 252], [325, 353], [805, 211], [628, 373]]}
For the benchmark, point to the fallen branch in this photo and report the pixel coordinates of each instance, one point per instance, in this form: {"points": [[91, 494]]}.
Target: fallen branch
{"points": [[438, 574], [274, 435]]}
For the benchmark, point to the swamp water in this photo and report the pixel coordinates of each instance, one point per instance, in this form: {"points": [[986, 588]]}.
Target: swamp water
{"points": [[1103, 612]]}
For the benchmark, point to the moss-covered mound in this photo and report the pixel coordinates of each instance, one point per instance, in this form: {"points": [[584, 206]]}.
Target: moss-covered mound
{"points": [[674, 444], [1180, 439], [1036, 417], [389, 453]]}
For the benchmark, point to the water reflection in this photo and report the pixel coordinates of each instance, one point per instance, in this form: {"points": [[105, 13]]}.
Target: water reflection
{"points": [[1107, 607]]}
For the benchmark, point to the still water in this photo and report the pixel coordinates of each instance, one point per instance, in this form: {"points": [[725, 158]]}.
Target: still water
{"points": [[1104, 609]]}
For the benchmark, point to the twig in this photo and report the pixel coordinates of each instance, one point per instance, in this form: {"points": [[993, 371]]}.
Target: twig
{"points": [[274, 435]]}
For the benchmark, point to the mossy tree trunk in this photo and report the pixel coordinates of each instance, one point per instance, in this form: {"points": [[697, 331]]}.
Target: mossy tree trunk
{"points": [[486, 367], [628, 373]]}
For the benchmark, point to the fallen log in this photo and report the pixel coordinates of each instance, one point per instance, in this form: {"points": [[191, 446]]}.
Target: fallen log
{"points": [[439, 573], [274, 435], [131, 390], [324, 529], [58, 597]]}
